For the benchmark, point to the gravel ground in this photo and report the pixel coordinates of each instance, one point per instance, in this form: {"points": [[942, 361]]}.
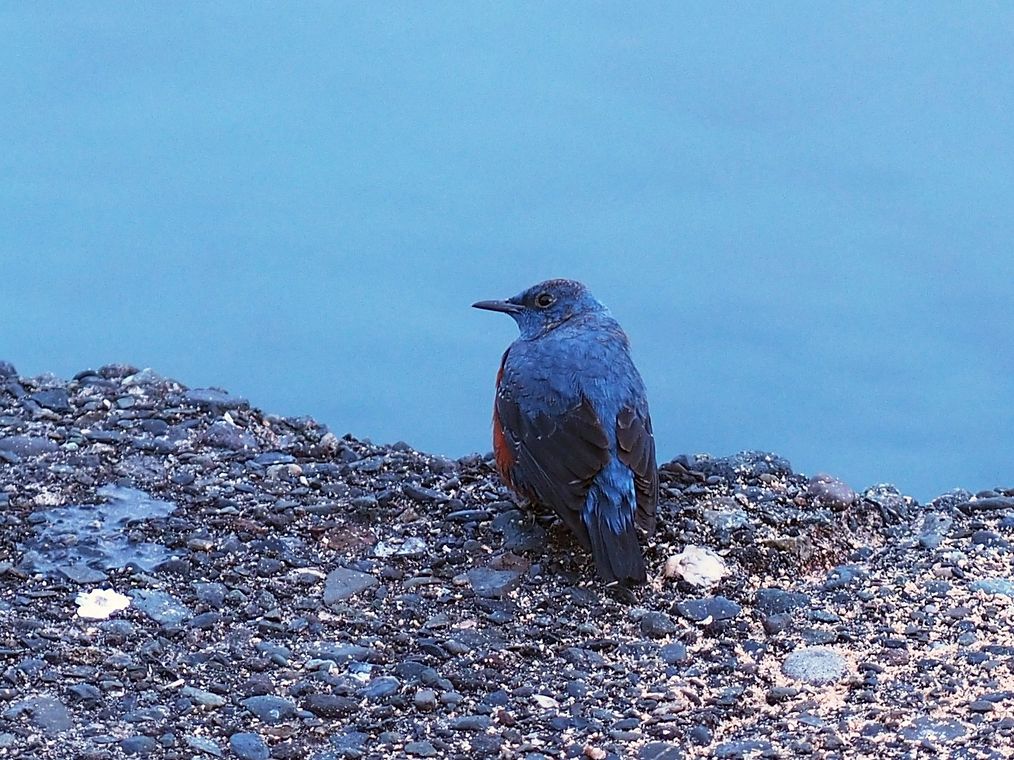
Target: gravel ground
{"points": [[293, 594]]}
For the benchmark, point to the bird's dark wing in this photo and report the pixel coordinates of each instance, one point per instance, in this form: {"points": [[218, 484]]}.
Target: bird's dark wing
{"points": [[554, 456], [637, 450]]}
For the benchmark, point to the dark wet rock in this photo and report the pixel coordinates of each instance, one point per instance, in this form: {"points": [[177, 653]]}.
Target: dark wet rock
{"points": [[214, 399], [660, 751], [80, 573], [54, 399], [7, 369], [487, 582], [816, 665], [84, 692], [469, 515], [420, 749], [828, 491], [343, 583], [935, 527], [893, 507], [342, 654], [27, 445], [717, 608], [925, 727], [729, 516], [700, 735], [470, 723], [673, 653], [381, 687], [269, 458], [212, 594], [742, 748], [161, 607], [425, 700], [775, 600], [424, 495], [138, 745], [225, 435], [987, 504], [270, 709], [247, 746], [202, 697], [330, 705], [997, 586], [657, 625], [989, 538], [44, 712], [842, 576], [520, 532], [203, 744]]}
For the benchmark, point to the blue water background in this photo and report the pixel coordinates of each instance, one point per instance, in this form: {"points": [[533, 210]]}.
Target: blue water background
{"points": [[800, 211]]}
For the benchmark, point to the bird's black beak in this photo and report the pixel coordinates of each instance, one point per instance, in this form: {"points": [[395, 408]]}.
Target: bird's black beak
{"points": [[505, 306]]}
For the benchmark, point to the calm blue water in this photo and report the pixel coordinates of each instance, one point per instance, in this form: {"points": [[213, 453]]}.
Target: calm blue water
{"points": [[802, 214]]}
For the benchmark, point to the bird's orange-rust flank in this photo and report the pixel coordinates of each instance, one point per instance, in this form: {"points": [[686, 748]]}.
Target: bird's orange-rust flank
{"points": [[501, 451]]}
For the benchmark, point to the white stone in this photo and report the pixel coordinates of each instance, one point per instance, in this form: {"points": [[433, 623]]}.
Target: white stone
{"points": [[100, 603], [697, 565]]}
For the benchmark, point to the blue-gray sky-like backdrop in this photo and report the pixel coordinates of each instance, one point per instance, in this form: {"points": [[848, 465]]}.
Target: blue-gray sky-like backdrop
{"points": [[801, 212]]}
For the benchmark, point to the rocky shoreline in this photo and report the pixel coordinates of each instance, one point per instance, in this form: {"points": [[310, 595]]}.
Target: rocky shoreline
{"points": [[290, 593]]}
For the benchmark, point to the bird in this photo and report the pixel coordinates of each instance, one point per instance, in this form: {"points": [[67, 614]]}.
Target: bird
{"points": [[571, 426]]}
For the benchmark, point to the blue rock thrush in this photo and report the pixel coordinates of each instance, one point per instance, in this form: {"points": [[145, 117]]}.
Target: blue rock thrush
{"points": [[571, 428]]}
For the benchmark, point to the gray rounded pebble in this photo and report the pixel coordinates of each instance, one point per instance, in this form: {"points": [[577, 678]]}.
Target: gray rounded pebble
{"points": [[657, 625], [138, 745], [249, 747], [270, 709], [815, 665]]}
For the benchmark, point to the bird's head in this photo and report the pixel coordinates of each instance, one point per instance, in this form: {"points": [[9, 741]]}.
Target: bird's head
{"points": [[545, 306]]}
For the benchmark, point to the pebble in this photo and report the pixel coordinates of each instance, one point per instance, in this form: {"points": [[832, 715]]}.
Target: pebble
{"points": [[425, 700], [205, 745], [674, 653], [657, 625], [343, 583], [490, 583], [269, 708], [424, 495], [382, 687], [27, 445], [161, 607], [718, 608], [769, 601], [842, 576], [330, 705], [420, 749], [996, 586], [138, 745], [247, 746], [225, 435], [213, 399], [660, 751], [471, 723], [46, 713], [934, 529], [520, 532], [815, 665], [54, 399], [202, 697], [925, 727], [829, 491]]}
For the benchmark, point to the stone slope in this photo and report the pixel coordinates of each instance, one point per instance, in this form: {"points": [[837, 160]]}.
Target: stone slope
{"points": [[297, 594]]}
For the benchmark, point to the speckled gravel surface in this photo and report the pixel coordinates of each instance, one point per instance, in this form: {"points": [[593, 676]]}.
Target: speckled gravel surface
{"points": [[293, 594]]}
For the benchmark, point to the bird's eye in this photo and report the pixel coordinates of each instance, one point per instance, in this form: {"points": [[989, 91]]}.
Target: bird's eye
{"points": [[544, 300]]}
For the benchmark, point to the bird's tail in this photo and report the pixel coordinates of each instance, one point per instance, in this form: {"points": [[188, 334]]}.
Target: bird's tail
{"points": [[609, 518]]}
